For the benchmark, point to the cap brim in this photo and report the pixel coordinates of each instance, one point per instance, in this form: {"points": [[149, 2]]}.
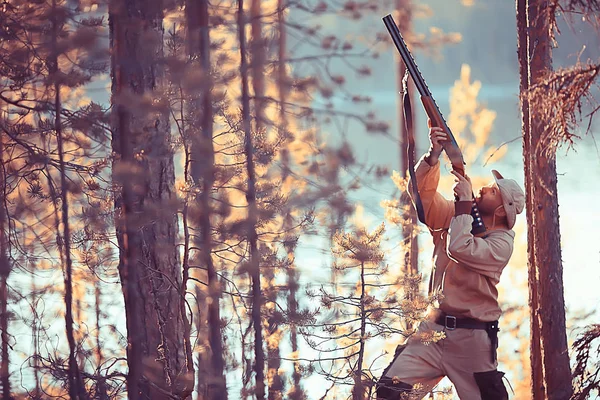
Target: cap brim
{"points": [[511, 215]]}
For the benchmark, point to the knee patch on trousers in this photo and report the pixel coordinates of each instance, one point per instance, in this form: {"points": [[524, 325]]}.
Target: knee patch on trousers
{"points": [[490, 385], [388, 389]]}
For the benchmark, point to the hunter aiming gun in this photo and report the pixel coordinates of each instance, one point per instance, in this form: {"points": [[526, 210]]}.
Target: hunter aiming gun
{"points": [[433, 112]]}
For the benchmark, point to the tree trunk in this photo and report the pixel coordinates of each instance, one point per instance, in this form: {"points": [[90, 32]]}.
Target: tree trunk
{"points": [[101, 387], [275, 332], [358, 391], [146, 219], [202, 173], [546, 229], [76, 387], [4, 370], [410, 243], [258, 51], [409, 238], [37, 392], [535, 355], [254, 267], [295, 392], [5, 269]]}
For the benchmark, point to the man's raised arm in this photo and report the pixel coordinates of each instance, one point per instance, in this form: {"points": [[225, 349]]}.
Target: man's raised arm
{"points": [[438, 210]]}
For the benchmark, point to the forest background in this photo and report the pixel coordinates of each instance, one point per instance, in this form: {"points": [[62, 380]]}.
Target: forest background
{"points": [[251, 198]]}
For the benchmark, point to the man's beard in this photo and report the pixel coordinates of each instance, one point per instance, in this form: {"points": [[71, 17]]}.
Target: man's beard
{"points": [[485, 208]]}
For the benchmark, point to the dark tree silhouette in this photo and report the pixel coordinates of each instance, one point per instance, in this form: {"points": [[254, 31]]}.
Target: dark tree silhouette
{"points": [[145, 216], [535, 357], [254, 262], [5, 269], [410, 243], [202, 174], [545, 264]]}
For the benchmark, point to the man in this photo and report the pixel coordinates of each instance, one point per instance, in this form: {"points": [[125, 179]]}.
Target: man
{"points": [[466, 270]]}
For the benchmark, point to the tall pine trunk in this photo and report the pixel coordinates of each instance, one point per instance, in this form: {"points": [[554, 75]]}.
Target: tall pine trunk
{"points": [[543, 205], [76, 387], [5, 269], [274, 378], [202, 170], [535, 355], [101, 386], [409, 238], [254, 265], [295, 392], [146, 218], [358, 391], [37, 391]]}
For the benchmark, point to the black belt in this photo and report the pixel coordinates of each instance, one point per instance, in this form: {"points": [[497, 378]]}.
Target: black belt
{"points": [[451, 322]]}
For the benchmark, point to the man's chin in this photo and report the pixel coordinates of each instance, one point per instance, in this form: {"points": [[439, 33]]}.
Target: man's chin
{"points": [[482, 209]]}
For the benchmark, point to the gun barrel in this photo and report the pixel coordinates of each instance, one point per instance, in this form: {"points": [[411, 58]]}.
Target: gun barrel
{"points": [[407, 57], [431, 107]]}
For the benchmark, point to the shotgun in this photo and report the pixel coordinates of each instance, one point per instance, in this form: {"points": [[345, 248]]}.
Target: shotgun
{"points": [[433, 112]]}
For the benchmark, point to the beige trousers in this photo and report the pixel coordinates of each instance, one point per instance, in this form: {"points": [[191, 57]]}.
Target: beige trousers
{"points": [[462, 353]]}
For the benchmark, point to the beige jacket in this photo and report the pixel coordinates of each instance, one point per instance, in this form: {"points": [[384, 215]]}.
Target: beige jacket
{"points": [[466, 269]]}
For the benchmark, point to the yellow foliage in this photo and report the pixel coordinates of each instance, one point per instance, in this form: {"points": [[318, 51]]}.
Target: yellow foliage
{"points": [[274, 339], [400, 181], [470, 122], [359, 219], [392, 211], [295, 355], [429, 337]]}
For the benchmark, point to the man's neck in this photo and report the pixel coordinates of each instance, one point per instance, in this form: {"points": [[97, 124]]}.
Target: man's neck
{"points": [[491, 225]]}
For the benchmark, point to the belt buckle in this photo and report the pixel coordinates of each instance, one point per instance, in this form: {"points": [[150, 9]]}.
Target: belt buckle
{"points": [[450, 318]]}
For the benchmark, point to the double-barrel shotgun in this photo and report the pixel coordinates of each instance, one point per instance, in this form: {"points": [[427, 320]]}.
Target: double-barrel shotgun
{"points": [[433, 112]]}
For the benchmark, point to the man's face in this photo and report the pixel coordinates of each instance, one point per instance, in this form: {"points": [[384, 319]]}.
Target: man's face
{"points": [[489, 199]]}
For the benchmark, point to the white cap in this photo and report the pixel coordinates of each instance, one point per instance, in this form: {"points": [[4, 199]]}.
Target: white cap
{"points": [[513, 197]]}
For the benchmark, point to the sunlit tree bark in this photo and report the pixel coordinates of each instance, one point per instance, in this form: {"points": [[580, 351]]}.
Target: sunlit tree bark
{"points": [[76, 387], [202, 171], [254, 264], [535, 357], [275, 331], [146, 219], [36, 394], [295, 392], [358, 391], [5, 269], [409, 238], [546, 282], [101, 391]]}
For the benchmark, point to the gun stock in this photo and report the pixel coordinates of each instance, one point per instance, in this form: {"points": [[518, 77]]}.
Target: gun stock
{"points": [[451, 148]]}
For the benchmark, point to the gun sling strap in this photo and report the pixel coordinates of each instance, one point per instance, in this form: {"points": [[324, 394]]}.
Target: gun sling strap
{"points": [[410, 140]]}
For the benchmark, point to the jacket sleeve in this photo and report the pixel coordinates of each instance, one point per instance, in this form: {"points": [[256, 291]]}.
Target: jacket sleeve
{"points": [[438, 210], [487, 256]]}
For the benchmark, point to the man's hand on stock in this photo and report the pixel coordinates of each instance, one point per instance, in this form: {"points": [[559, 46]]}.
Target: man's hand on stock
{"points": [[463, 189], [436, 137]]}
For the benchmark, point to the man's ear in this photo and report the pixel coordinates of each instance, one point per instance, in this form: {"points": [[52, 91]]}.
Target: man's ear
{"points": [[500, 211]]}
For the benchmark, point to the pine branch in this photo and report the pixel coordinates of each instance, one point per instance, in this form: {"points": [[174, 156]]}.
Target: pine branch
{"points": [[559, 100], [586, 379]]}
